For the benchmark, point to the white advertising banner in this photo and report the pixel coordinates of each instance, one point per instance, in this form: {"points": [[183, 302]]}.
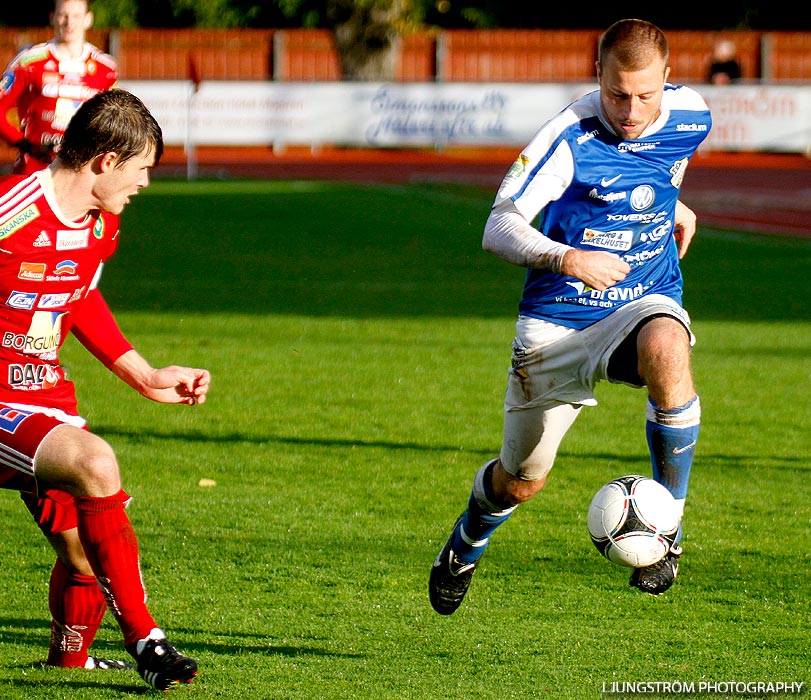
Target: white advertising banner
{"points": [[746, 117], [759, 118]]}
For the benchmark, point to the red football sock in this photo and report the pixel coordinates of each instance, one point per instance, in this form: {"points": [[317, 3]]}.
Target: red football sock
{"points": [[112, 550], [77, 607]]}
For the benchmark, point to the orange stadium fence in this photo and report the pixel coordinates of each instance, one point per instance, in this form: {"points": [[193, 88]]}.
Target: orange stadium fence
{"points": [[777, 62], [508, 55]]}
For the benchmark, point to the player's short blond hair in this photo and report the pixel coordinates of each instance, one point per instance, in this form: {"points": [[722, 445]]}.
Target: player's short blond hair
{"points": [[633, 43]]}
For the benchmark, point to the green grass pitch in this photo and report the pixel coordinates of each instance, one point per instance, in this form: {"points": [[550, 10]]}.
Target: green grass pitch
{"points": [[359, 339]]}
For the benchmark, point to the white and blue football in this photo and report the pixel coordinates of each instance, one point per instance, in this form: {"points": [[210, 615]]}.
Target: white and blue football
{"points": [[633, 521]]}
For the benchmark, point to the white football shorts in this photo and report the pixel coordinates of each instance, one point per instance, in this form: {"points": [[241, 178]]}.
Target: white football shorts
{"points": [[553, 375]]}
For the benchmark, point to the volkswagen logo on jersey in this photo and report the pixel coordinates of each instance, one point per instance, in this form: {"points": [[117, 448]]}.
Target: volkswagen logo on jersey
{"points": [[642, 197]]}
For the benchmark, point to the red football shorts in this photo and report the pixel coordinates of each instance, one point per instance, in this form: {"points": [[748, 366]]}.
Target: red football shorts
{"points": [[21, 432]]}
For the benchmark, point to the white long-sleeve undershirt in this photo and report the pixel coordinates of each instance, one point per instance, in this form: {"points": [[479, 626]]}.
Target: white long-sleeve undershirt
{"points": [[511, 237]]}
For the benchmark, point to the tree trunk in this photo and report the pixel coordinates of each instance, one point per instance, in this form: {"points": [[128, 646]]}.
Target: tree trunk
{"points": [[366, 36]]}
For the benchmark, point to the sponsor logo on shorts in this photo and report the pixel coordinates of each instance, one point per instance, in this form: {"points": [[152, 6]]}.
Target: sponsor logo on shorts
{"points": [[11, 418]]}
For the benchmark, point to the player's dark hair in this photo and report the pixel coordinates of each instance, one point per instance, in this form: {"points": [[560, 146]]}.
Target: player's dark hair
{"points": [[633, 43], [112, 121]]}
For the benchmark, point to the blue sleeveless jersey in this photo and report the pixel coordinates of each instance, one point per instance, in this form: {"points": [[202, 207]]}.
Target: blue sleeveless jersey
{"points": [[592, 190]]}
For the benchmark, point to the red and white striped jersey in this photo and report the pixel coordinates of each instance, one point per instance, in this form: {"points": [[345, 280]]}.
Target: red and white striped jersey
{"points": [[48, 266]]}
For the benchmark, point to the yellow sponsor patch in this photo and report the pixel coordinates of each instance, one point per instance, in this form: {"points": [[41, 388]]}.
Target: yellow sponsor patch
{"points": [[519, 167]]}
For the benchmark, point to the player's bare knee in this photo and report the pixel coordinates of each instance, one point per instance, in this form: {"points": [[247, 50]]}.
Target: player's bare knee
{"points": [[514, 490], [99, 474], [670, 384], [522, 490], [664, 365], [664, 339]]}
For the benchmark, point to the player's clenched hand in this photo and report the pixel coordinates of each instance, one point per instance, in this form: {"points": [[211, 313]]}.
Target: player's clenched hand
{"points": [[176, 384], [173, 384], [598, 269]]}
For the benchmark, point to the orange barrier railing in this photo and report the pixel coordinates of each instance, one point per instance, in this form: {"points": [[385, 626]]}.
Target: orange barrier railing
{"points": [[503, 55]]}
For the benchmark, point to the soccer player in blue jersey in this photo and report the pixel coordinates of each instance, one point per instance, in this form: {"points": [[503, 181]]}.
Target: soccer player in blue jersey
{"points": [[602, 298]]}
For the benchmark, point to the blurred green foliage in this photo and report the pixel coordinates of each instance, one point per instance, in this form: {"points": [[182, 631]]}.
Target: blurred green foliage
{"points": [[688, 14]]}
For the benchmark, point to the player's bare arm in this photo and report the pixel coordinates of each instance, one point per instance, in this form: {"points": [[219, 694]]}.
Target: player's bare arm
{"points": [[685, 227], [172, 384], [598, 269]]}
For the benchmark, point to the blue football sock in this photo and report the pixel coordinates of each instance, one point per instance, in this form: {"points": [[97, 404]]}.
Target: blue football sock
{"points": [[480, 519], [672, 436]]}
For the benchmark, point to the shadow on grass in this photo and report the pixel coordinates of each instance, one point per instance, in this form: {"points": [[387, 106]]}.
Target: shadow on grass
{"points": [[33, 632], [334, 249], [234, 437], [792, 463]]}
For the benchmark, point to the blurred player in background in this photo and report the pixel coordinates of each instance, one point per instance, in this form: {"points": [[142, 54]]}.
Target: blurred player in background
{"points": [[602, 296], [58, 227], [724, 67], [45, 84]]}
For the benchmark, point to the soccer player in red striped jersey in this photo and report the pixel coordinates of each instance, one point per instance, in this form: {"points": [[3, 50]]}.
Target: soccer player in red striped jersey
{"points": [[58, 226], [44, 85]]}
